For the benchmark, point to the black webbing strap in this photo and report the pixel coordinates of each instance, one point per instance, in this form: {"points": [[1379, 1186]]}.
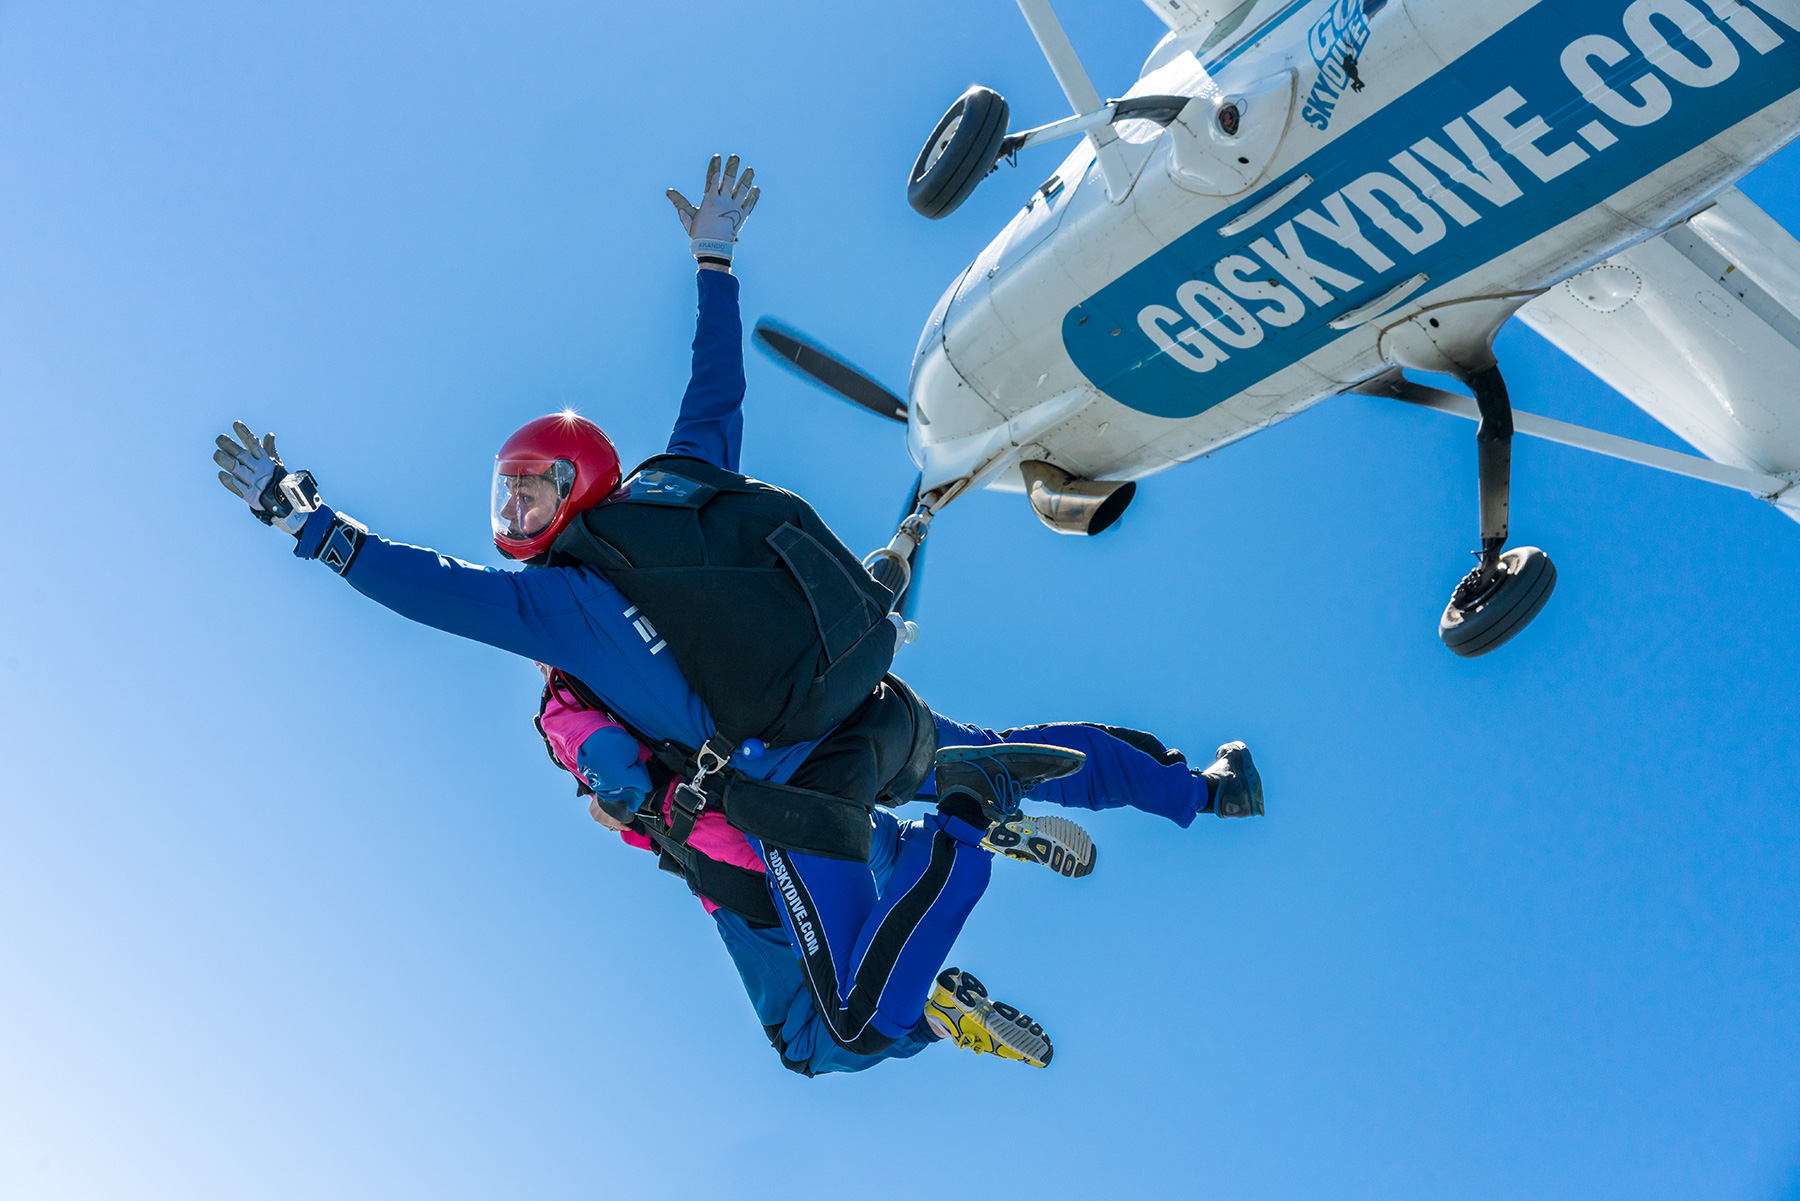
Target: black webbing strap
{"points": [[673, 756], [686, 804], [689, 800], [682, 763], [744, 892], [799, 819], [802, 819]]}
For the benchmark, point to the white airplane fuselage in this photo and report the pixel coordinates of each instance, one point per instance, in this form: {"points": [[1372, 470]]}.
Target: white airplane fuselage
{"points": [[1495, 150]]}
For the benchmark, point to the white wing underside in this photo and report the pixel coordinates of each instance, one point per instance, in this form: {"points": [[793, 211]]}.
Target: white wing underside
{"points": [[1186, 18], [1699, 327]]}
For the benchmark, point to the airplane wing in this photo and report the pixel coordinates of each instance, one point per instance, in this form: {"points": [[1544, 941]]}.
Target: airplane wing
{"points": [[1699, 327], [1211, 20], [1186, 17]]}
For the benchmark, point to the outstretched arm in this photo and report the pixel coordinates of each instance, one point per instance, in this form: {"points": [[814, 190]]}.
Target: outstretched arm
{"points": [[567, 617], [711, 424]]}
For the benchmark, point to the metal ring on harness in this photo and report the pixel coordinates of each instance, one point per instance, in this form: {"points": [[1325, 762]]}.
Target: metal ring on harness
{"points": [[689, 798], [709, 759]]}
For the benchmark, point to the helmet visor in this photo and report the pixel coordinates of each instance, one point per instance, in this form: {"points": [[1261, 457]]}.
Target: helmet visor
{"points": [[528, 495]]}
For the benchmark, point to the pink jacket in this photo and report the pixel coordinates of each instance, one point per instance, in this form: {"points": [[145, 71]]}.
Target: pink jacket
{"points": [[567, 723]]}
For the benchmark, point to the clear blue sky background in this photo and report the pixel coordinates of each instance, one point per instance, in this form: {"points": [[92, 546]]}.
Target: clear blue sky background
{"points": [[293, 906]]}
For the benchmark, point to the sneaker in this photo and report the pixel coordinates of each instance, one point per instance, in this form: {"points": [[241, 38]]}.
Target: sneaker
{"points": [[1056, 842], [960, 1011], [1239, 789], [999, 776]]}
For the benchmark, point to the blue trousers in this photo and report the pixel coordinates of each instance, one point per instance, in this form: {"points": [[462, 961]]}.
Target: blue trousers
{"points": [[1117, 773], [842, 986]]}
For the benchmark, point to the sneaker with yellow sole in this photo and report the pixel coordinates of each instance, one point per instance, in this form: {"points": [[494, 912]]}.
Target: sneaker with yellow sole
{"points": [[1056, 842], [959, 1009]]}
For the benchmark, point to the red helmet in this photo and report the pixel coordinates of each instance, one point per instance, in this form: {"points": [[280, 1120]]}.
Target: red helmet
{"points": [[550, 470]]}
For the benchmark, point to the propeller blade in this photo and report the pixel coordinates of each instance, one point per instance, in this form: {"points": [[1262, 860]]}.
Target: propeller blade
{"points": [[909, 600], [826, 369]]}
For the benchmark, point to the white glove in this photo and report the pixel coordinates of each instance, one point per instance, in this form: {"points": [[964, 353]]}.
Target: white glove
{"points": [[254, 473], [724, 206]]}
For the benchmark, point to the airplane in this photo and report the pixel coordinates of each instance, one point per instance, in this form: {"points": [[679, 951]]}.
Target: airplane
{"points": [[1304, 198]]}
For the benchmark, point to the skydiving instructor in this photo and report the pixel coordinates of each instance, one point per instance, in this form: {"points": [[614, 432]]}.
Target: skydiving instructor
{"points": [[871, 952]]}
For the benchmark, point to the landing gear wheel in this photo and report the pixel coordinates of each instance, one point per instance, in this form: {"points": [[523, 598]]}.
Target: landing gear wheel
{"points": [[960, 152], [1483, 614]]}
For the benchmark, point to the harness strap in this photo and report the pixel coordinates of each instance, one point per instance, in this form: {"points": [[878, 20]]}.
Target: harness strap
{"points": [[744, 892], [690, 798], [800, 819], [803, 819], [672, 756]]}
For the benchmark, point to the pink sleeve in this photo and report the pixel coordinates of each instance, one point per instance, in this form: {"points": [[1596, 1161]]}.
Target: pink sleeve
{"points": [[717, 838], [566, 727]]}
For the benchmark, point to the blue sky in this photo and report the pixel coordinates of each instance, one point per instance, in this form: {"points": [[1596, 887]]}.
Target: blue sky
{"points": [[293, 905]]}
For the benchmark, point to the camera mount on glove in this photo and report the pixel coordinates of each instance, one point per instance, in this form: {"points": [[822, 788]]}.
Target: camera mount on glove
{"points": [[254, 473]]}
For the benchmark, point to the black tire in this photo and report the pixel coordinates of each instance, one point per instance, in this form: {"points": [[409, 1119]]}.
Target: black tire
{"points": [[959, 153], [1504, 609]]}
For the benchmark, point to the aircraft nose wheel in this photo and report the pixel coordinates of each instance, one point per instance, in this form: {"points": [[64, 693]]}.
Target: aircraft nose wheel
{"points": [[1507, 588], [1490, 606], [959, 153]]}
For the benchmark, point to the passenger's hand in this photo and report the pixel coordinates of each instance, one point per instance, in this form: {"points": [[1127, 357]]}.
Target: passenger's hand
{"points": [[713, 225], [254, 473], [602, 816]]}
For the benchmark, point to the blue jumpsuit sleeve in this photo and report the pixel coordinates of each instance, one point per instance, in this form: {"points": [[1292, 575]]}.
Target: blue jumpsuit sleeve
{"points": [[607, 762], [711, 423], [568, 617], [535, 614]]}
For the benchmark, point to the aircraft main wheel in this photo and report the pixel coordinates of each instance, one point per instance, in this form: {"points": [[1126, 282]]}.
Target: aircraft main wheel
{"points": [[1478, 619], [960, 152]]}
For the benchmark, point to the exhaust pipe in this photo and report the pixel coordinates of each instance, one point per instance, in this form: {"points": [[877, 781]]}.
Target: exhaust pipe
{"points": [[1071, 506]]}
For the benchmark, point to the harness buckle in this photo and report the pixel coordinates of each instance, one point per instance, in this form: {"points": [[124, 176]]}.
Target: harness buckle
{"points": [[689, 798], [709, 759]]}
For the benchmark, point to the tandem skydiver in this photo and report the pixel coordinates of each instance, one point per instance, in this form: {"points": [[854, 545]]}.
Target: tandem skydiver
{"points": [[727, 630], [612, 769]]}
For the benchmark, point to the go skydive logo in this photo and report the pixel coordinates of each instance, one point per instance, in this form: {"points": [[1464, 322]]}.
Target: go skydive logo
{"points": [[1338, 35], [1441, 181]]}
